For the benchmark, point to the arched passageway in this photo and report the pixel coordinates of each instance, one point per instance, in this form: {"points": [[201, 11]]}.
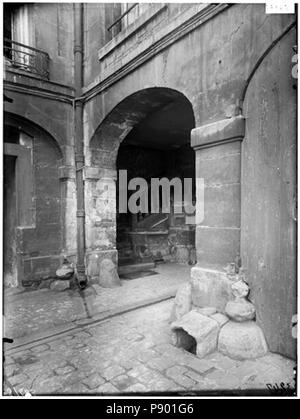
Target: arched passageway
{"points": [[148, 136]]}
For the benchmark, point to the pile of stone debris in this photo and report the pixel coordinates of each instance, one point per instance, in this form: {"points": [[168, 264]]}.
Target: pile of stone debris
{"points": [[228, 327]]}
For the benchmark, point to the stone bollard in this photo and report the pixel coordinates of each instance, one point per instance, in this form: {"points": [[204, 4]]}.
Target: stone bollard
{"points": [[108, 274], [241, 338]]}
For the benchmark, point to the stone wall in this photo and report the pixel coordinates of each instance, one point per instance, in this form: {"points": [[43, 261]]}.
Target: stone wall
{"points": [[211, 49], [225, 62], [38, 230], [97, 18], [269, 195], [209, 55], [52, 25], [43, 112]]}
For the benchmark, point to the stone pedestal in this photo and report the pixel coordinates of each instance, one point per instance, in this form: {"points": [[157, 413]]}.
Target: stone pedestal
{"points": [[100, 198]]}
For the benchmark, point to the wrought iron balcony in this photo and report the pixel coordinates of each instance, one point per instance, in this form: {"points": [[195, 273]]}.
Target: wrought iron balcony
{"points": [[23, 57]]}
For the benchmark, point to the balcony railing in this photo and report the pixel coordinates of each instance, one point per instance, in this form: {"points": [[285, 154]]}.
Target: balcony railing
{"points": [[26, 58], [123, 16]]}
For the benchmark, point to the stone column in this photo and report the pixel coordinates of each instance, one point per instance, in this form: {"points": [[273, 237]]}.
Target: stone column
{"points": [[218, 162], [67, 178], [100, 201]]}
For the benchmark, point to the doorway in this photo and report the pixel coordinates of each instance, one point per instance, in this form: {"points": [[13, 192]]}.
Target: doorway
{"points": [[158, 147]]}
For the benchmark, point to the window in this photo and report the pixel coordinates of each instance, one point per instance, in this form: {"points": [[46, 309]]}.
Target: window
{"points": [[128, 13], [20, 25], [19, 51], [134, 10], [16, 29]]}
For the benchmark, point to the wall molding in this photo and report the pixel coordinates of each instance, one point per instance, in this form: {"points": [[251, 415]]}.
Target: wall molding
{"points": [[167, 37], [219, 132], [155, 48]]}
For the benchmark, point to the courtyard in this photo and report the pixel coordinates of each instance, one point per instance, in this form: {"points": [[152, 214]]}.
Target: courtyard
{"points": [[150, 199], [123, 347]]}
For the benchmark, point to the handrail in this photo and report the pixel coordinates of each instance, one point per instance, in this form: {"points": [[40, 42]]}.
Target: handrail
{"points": [[25, 46], [26, 57]]}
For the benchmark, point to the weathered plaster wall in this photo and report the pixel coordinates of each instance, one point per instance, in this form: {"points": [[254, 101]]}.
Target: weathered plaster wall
{"points": [[97, 18], [269, 195], [209, 65], [53, 33], [43, 241]]}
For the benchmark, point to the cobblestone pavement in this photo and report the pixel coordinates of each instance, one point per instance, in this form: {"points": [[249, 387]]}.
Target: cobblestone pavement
{"points": [[34, 312], [132, 353]]}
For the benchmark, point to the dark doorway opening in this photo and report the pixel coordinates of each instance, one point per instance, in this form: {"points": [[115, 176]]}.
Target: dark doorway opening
{"points": [[158, 147]]}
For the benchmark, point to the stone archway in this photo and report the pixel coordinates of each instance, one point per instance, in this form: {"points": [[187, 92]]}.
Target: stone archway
{"points": [[123, 127]]}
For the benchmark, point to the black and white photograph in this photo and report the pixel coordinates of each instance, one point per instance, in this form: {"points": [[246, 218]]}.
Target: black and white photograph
{"points": [[149, 202]]}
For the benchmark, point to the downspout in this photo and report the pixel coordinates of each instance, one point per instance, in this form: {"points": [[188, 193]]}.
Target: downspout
{"points": [[79, 150]]}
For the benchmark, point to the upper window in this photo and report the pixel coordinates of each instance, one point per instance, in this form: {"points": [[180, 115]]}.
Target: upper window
{"points": [[129, 13], [19, 48], [16, 23], [132, 11]]}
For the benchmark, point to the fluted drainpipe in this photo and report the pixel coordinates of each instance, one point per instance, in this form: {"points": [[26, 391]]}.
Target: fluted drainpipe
{"points": [[79, 150]]}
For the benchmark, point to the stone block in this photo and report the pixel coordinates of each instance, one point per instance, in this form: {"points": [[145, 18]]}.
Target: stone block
{"points": [[216, 132], [206, 311], [182, 302], [222, 207], [218, 169], [242, 340], [67, 172], [240, 310], [94, 259], [108, 274], [202, 328], [65, 271], [220, 318], [218, 152], [217, 246], [210, 288]]}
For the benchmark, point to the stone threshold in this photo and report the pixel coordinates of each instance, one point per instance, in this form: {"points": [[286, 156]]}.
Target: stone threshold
{"points": [[36, 339]]}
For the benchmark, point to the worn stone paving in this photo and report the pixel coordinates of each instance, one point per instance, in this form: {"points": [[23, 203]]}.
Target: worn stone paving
{"points": [[133, 354], [31, 312]]}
